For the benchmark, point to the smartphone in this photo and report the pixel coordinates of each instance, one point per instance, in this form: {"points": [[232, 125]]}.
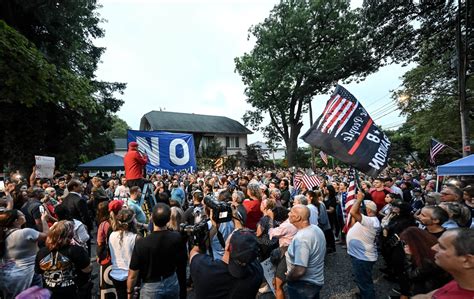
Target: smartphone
{"points": [[41, 208]]}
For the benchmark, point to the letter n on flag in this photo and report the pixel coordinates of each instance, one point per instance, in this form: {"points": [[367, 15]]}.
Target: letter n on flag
{"points": [[346, 131]]}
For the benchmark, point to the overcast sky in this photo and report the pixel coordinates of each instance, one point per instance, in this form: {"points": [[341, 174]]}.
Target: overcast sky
{"points": [[178, 56]]}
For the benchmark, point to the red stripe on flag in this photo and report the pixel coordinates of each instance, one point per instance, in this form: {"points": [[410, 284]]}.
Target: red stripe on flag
{"points": [[336, 116], [347, 115], [331, 112], [362, 136]]}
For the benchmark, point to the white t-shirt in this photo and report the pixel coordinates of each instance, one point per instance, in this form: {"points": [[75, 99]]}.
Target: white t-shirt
{"points": [[361, 239], [121, 253]]}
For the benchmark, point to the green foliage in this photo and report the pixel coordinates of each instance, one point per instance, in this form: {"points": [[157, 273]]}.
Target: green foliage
{"points": [[303, 157], [303, 48], [213, 149], [52, 103], [119, 128], [255, 157]]}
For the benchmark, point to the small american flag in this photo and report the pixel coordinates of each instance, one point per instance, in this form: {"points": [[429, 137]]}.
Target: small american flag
{"points": [[324, 157], [351, 196], [309, 181], [435, 148]]}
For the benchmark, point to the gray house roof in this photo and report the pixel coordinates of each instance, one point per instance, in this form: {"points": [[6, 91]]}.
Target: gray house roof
{"points": [[120, 143], [190, 122]]}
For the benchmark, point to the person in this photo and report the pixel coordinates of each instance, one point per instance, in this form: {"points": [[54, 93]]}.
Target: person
{"points": [[32, 208], [389, 183], [378, 193], [433, 218], [121, 243], [237, 276], [420, 268], [237, 199], [323, 220], [195, 213], [252, 205], [455, 254], [306, 201], [156, 258], [285, 192], [97, 195], [284, 231], [361, 245], [133, 203], [451, 193], [459, 215], [122, 191], [266, 243], [134, 163], [305, 256], [76, 205], [81, 236], [65, 268], [18, 248]]}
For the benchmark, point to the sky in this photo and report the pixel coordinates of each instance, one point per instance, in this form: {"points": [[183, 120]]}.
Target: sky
{"points": [[178, 56]]}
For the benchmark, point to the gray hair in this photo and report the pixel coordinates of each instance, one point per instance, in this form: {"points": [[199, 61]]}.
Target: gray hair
{"points": [[254, 190], [302, 199], [239, 196], [275, 193]]}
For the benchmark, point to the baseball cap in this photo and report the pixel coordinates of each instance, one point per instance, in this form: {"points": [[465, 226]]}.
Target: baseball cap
{"points": [[243, 248], [133, 144], [370, 205], [115, 206]]}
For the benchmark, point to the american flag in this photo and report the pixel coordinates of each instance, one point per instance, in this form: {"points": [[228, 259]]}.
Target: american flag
{"points": [[324, 157], [435, 148], [351, 196], [309, 181], [338, 111]]}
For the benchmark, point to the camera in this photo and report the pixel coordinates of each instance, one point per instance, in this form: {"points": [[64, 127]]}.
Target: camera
{"points": [[221, 211], [198, 232]]}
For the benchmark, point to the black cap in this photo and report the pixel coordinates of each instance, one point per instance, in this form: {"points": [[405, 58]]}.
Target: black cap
{"points": [[243, 250]]}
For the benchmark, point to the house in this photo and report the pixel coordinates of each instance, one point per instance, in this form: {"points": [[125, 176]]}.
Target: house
{"points": [[120, 146], [278, 153], [231, 134]]}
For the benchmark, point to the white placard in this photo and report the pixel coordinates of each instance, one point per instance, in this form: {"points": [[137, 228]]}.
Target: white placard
{"points": [[269, 273], [44, 166]]}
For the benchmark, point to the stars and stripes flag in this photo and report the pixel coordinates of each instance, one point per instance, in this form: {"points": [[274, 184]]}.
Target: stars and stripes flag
{"points": [[324, 157], [346, 131], [351, 196], [435, 148], [309, 181]]}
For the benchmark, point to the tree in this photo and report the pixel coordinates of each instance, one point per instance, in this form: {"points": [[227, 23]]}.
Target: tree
{"points": [[52, 104], [213, 149], [303, 48], [119, 128], [438, 39], [255, 157]]}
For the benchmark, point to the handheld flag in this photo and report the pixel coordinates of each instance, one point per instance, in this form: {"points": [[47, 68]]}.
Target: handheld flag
{"points": [[324, 157], [347, 132], [435, 148]]}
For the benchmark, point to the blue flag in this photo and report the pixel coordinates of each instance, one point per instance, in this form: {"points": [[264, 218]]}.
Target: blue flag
{"points": [[167, 152]]}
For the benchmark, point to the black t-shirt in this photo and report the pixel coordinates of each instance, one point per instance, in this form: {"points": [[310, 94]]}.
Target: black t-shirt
{"points": [[212, 280], [158, 255], [61, 270], [31, 209]]}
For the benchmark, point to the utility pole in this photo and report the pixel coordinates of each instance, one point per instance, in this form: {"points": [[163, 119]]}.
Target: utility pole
{"points": [[313, 165], [462, 49]]}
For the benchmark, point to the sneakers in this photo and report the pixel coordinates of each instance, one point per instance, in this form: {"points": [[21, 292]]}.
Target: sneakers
{"points": [[264, 289]]}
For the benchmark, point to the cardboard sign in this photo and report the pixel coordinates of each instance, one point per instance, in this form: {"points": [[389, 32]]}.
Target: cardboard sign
{"points": [[268, 272], [44, 167]]}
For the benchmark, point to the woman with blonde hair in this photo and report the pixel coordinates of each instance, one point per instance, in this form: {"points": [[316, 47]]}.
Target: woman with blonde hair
{"points": [[65, 268], [121, 243]]}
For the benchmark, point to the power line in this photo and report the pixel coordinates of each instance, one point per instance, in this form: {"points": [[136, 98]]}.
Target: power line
{"points": [[386, 114]]}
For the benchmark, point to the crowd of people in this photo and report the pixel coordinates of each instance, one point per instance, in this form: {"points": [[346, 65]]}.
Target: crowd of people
{"points": [[48, 227]]}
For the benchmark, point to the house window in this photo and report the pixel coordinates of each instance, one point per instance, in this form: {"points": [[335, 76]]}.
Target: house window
{"points": [[232, 142]]}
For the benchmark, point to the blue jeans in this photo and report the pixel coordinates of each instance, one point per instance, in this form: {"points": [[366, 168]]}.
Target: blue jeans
{"points": [[362, 271], [168, 288], [303, 290]]}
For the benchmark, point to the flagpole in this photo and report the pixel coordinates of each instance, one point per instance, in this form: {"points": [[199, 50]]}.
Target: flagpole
{"points": [[313, 166], [447, 146]]}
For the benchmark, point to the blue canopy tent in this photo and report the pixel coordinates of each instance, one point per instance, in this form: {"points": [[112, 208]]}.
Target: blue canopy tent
{"points": [[104, 163], [463, 166]]}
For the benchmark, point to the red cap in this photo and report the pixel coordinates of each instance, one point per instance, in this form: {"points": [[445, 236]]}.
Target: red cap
{"points": [[132, 144], [115, 206]]}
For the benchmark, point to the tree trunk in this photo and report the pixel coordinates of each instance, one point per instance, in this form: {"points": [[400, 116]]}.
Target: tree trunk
{"points": [[292, 144]]}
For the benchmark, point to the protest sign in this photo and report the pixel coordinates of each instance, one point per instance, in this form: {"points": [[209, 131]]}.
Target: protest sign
{"points": [[269, 273], [44, 167]]}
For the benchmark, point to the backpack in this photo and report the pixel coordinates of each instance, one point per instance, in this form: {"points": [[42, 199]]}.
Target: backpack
{"points": [[103, 251]]}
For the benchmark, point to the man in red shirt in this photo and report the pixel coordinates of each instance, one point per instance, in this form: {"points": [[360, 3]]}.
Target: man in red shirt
{"points": [[378, 193], [455, 254], [134, 162]]}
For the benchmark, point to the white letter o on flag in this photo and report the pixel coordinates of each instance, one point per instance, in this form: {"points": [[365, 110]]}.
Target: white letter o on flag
{"points": [[173, 157]]}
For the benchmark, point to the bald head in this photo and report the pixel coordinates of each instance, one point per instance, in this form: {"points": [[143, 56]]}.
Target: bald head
{"points": [[299, 216]]}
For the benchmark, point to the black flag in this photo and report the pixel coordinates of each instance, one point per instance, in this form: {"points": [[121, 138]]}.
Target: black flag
{"points": [[347, 132]]}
